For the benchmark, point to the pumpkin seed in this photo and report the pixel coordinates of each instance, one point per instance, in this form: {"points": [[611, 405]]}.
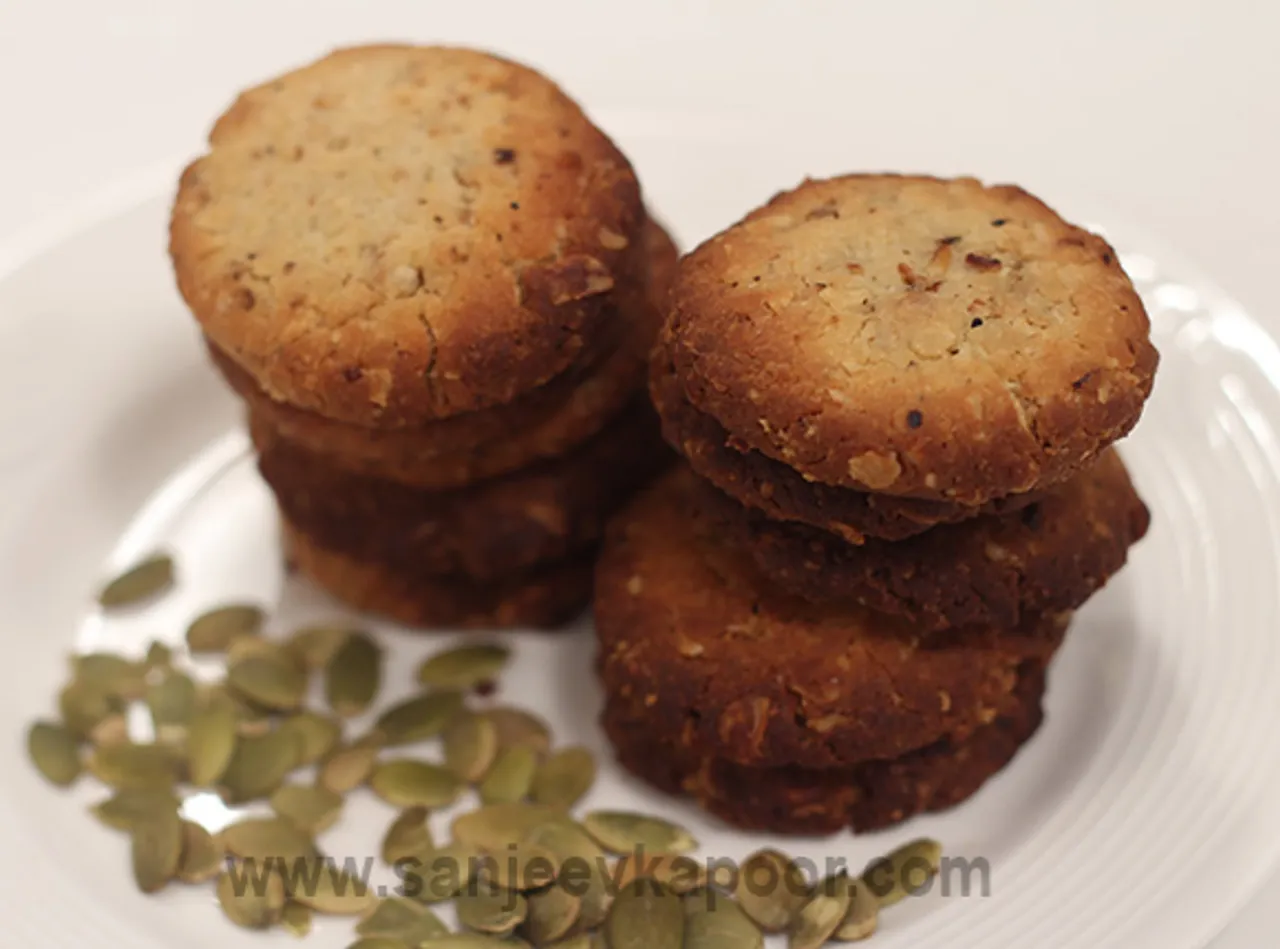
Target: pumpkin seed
{"points": [[126, 810], [134, 767], [904, 872], [578, 941], [353, 674], [408, 836], [268, 840], [55, 752], [645, 915], [405, 782], [114, 674], [520, 867], [310, 808], [336, 893], [112, 730], [563, 779], [247, 647], [270, 680], [488, 909], [252, 902], [464, 667], [172, 700], [495, 826], [201, 854], [623, 832], [157, 850], [771, 890], [140, 582], [713, 921], [573, 847], [211, 742], [159, 657], [440, 875], [419, 718], [83, 706], [510, 777], [551, 914], [259, 765], [317, 734], [295, 919], [314, 646], [379, 942], [348, 767], [677, 872], [469, 941], [399, 918], [863, 916], [217, 629], [822, 915], [470, 745], [518, 727]]}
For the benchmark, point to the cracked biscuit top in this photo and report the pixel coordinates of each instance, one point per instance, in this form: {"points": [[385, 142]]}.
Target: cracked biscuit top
{"points": [[913, 336], [396, 234]]}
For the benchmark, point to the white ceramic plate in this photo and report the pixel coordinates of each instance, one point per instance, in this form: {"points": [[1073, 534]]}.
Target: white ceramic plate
{"points": [[1143, 813]]}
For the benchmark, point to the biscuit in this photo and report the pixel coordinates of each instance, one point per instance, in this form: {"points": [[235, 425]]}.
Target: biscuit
{"points": [[545, 598], [453, 452], [485, 532], [395, 234], [868, 796], [913, 336], [1050, 556], [783, 494], [690, 628]]}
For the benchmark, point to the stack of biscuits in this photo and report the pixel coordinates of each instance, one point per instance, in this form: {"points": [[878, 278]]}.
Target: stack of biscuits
{"points": [[434, 284], [896, 397]]}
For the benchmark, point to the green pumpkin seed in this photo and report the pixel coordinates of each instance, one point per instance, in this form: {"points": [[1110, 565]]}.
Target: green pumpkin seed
{"points": [[380, 942], [470, 745], [55, 752], [317, 734], [112, 730], [147, 579], [510, 777], [201, 854], [172, 701], [645, 915], [266, 840], [405, 782], [469, 941], [713, 921], [249, 647], [518, 727], [157, 850], [493, 827], [771, 890], [217, 629], [487, 909], [679, 873], [408, 836], [563, 779], [348, 767], [114, 674], [314, 646], [419, 718], [862, 917], [83, 706], [211, 742], [623, 832], [159, 658], [313, 809], [904, 872], [135, 767], [268, 679], [520, 867], [353, 674], [552, 913], [572, 846], [822, 915], [440, 875], [336, 893], [464, 667], [259, 765], [296, 919], [399, 918], [126, 810], [251, 901], [578, 941]]}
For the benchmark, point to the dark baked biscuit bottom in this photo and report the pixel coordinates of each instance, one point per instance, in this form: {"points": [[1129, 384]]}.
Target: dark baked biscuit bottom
{"points": [[546, 598], [867, 796]]}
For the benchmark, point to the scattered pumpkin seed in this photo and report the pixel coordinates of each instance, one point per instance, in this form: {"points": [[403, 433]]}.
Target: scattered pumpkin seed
{"points": [[570, 845], [493, 827], [552, 913], [157, 850], [336, 893], [211, 742], [172, 700], [771, 890], [408, 836], [679, 873], [822, 915], [267, 840], [318, 734], [296, 919], [252, 901], [259, 765], [84, 705], [470, 745], [405, 782], [216, 630], [419, 718], [115, 674], [348, 767], [517, 727], [159, 657], [442, 874], [623, 832], [907, 870], [314, 646], [268, 679], [862, 917], [125, 810], [520, 867], [143, 581], [464, 667], [400, 918], [379, 942], [713, 921], [313, 809], [353, 674], [201, 854], [55, 752], [645, 915], [134, 767], [510, 777], [488, 909], [112, 730], [247, 647], [563, 779], [469, 941]]}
